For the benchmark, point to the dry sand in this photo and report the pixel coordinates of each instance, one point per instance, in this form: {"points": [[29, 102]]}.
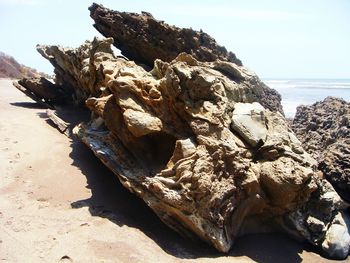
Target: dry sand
{"points": [[58, 203]]}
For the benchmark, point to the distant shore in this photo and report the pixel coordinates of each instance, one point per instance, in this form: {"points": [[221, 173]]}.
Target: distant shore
{"points": [[297, 92]]}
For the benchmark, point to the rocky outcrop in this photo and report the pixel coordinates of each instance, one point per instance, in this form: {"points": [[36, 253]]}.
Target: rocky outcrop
{"points": [[324, 129], [193, 141], [197, 136], [143, 39], [70, 75], [43, 89]]}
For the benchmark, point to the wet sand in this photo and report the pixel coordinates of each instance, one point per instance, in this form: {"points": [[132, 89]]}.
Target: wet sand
{"points": [[58, 203]]}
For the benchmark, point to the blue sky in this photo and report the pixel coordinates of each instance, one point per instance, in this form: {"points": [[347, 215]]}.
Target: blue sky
{"points": [[276, 39]]}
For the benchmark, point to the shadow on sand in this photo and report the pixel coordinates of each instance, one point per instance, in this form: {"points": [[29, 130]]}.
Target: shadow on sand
{"points": [[112, 201], [28, 105]]}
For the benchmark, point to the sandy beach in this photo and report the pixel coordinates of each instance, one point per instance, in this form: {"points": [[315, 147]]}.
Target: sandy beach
{"points": [[58, 203]]}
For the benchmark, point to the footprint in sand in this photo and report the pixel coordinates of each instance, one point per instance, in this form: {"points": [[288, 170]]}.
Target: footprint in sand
{"points": [[65, 259]]}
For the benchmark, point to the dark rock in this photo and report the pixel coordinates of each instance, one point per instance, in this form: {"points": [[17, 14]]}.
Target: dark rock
{"points": [[43, 89], [324, 130], [144, 39]]}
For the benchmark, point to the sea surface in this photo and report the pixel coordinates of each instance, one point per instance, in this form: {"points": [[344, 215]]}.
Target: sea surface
{"points": [[297, 92]]}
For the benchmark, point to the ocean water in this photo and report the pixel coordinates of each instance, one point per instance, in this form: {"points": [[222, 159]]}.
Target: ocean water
{"points": [[297, 92]]}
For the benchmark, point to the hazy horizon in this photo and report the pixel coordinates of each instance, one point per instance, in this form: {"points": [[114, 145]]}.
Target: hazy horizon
{"points": [[275, 39]]}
